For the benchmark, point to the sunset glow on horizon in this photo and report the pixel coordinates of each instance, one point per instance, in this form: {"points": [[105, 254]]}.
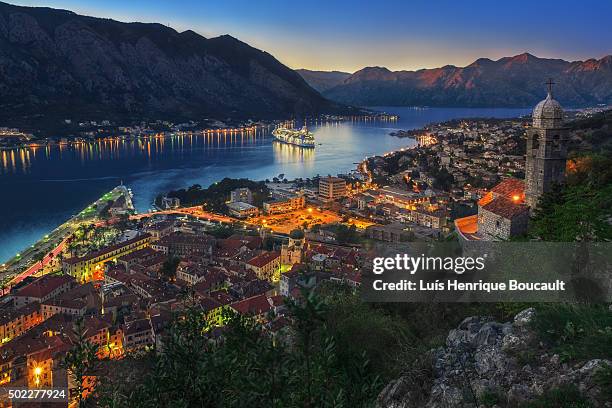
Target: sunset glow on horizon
{"points": [[347, 36]]}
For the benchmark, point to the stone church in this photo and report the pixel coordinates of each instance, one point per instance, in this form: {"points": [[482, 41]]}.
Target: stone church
{"points": [[504, 211]]}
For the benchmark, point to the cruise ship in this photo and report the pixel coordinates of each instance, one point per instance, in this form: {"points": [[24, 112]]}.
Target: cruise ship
{"points": [[302, 137]]}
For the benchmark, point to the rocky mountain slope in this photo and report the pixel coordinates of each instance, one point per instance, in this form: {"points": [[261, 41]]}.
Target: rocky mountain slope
{"points": [[485, 364], [509, 82], [55, 64], [323, 80]]}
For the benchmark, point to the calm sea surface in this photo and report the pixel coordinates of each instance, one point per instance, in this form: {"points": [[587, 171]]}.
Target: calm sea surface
{"points": [[41, 188]]}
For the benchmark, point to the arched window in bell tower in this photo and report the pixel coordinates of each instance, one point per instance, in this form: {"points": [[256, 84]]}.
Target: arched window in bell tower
{"points": [[535, 141], [556, 144]]}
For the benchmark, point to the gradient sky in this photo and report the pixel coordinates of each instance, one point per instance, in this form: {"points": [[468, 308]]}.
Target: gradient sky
{"points": [[410, 34]]}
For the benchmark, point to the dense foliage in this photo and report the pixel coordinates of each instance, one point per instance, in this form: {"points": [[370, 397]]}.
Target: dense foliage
{"points": [[338, 352], [344, 234], [80, 362], [218, 193], [565, 397], [581, 210], [576, 332], [249, 367], [169, 267]]}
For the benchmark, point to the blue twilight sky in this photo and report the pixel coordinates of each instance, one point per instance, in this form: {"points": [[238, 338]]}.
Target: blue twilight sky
{"points": [[399, 34]]}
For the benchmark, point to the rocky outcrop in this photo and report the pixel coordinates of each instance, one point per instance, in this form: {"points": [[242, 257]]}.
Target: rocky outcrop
{"points": [[59, 65], [516, 81], [483, 358]]}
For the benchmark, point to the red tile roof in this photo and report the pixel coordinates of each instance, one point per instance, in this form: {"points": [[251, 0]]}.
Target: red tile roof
{"points": [[222, 297], [321, 249], [118, 274], [276, 301], [230, 244], [79, 297], [255, 305], [138, 326], [505, 208], [146, 252], [213, 276], [251, 242], [44, 286], [509, 187], [30, 344], [11, 314], [93, 325], [264, 259], [107, 250], [228, 248], [209, 304]]}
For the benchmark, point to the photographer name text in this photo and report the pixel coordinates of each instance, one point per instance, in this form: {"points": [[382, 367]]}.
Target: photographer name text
{"points": [[479, 286]]}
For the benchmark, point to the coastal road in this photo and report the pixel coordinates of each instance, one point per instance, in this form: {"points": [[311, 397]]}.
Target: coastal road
{"points": [[37, 266], [193, 211], [9, 272]]}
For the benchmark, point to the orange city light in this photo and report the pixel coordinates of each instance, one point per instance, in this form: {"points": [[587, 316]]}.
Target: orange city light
{"points": [[516, 197]]}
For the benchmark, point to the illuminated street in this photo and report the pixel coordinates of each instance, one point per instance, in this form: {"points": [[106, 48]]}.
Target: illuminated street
{"points": [[307, 217], [196, 211]]}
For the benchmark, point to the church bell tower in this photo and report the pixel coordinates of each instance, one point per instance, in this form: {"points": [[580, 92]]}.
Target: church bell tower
{"points": [[546, 149]]}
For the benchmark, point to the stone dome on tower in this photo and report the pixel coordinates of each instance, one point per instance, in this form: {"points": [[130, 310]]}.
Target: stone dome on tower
{"points": [[548, 114]]}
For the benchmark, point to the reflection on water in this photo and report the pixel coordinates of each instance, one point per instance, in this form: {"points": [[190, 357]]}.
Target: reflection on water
{"points": [[288, 153], [20, 160], [16, 160], [46, 185], [174, 145]]}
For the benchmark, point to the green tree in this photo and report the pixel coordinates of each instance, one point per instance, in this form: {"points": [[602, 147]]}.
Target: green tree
{"points": [[222, 231], [80, 361], [581, 209], [268, 243], [347, 235], [169, 267], [249, 367], [123, 222]]}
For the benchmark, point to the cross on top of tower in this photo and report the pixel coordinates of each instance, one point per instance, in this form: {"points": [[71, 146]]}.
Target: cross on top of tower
{"points": [[550, 84]]}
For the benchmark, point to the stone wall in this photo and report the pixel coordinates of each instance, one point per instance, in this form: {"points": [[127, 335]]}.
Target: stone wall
{"points": [[493, 226]]}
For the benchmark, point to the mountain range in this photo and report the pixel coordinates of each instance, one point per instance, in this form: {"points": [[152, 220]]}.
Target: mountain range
{"points": [[55, 64], [323, 80], [516, 81]]}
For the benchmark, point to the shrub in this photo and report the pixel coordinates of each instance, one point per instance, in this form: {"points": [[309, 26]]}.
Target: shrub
{"points": [[576, 332], [562, 397]]}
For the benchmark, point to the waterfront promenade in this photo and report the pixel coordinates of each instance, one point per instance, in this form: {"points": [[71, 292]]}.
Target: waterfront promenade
{"points": [[45, 254]]}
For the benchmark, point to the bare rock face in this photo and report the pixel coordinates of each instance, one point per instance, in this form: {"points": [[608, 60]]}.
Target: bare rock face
{"points": [[61, 65], [482, 356]]}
